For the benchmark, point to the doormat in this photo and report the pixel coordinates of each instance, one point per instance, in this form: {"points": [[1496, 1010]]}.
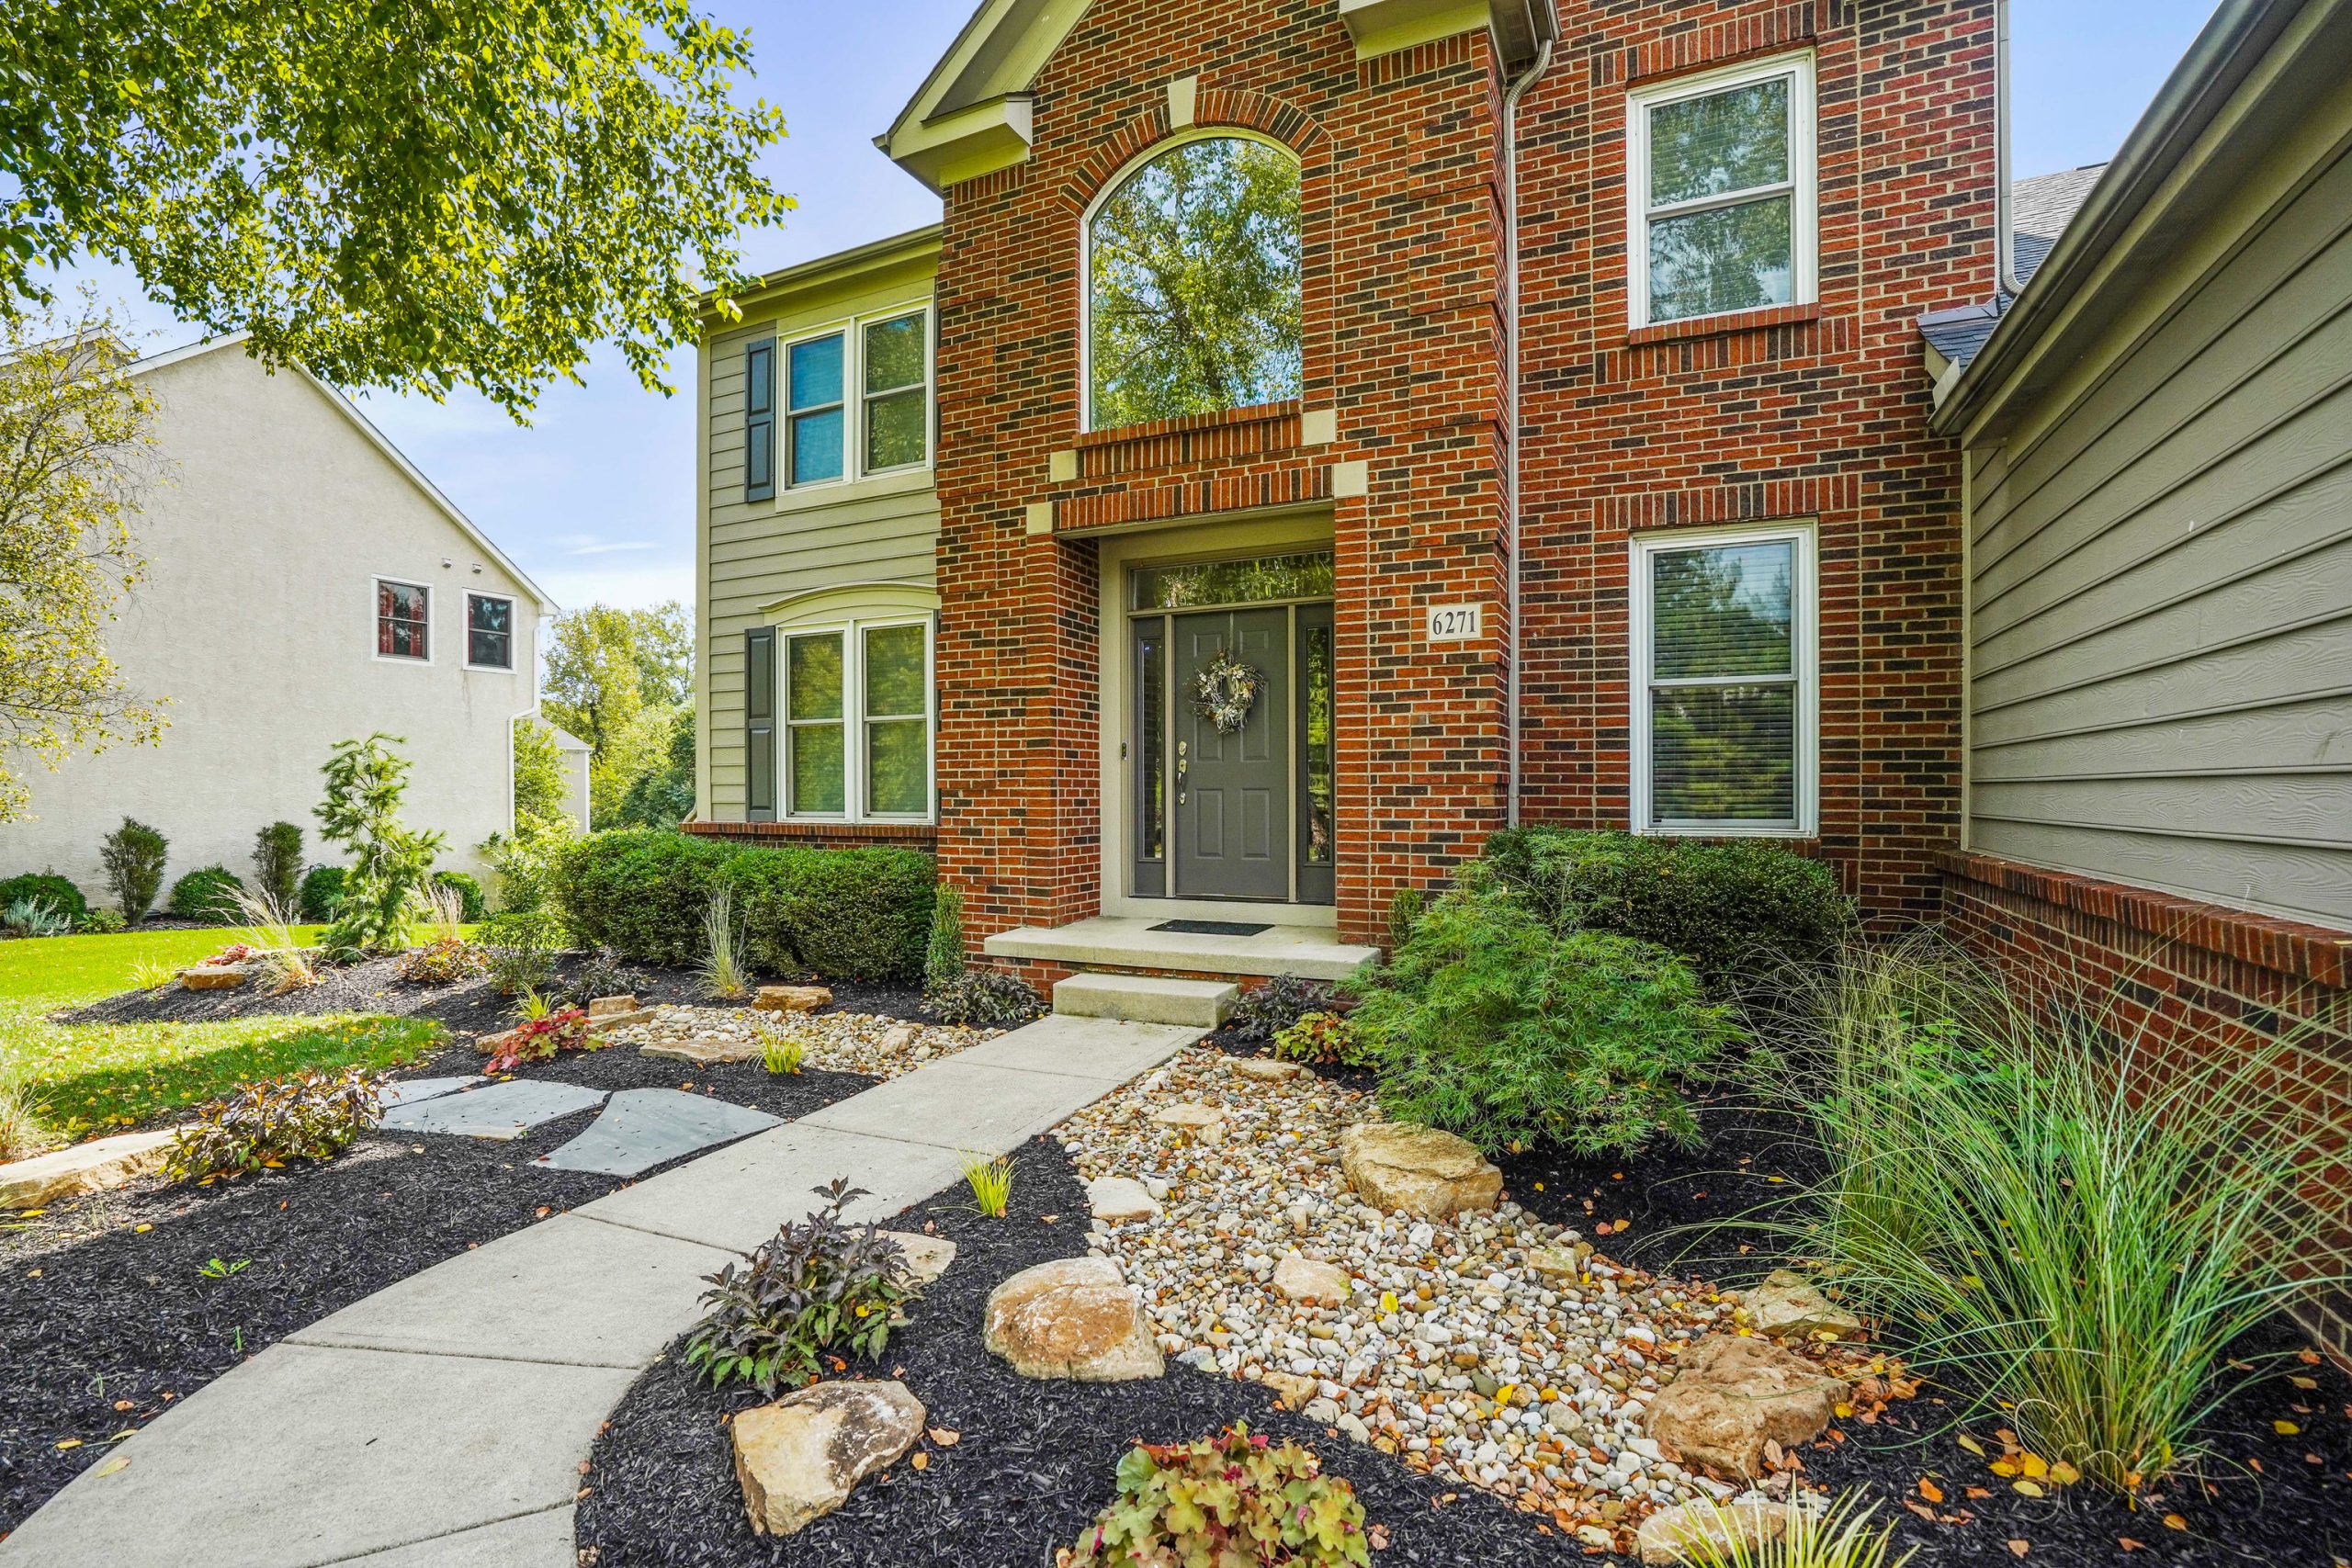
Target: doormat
{"points": [[1211, 928]]}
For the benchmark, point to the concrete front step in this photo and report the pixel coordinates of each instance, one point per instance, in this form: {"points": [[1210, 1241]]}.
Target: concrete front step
{"points": [[1145, 999], [1123, 941]]}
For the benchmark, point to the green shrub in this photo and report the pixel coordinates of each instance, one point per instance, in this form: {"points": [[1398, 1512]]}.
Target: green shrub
{"points": [[134, 857], [985, 998], [277, 862], [468, 891], [103, 921], [822, 1286], [523, 946], [943, 959], [1233, 1498], [2079, 1219], [321, 893], [34, 917], [1405, 907], [601, 974], [209, 894], [1743, 910], [311, 1115], [642, 892], [1490, 1025], [1266, 1010], [444, 962], [390, 861], [59, 892], [1326, 1038]]}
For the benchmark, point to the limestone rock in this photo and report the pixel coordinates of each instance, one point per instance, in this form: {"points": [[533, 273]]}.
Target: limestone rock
{"points": [[1426, 1173], [1667, 1536], [1074, 1317], [927, 1255], [612, 1006], [895, 1039], [792, 998], [1266, 1070], [1299, 1277], [1119, 1198], [1732, 1394], [797, 1460], [1292, 1390], [1202, 1124], [98, 1166], [216, 977], [1559, 1265], [1788, 1305], [704, 1050]]}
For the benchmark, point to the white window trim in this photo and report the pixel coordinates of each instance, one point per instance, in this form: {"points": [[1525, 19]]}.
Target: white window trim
{"points": [[432, 625], [852, 332], [1805, 631], [513, 626], [1804, 181], [852, 632], [1127, 171]]}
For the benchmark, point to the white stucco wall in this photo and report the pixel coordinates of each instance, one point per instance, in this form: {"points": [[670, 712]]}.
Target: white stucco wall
{"points": [[258, 621]]}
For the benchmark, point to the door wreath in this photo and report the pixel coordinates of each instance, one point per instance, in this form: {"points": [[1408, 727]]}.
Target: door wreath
{"points": [[1225, 691]]}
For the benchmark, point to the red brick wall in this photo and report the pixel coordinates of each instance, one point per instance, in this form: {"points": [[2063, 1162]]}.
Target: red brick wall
{"points": [[2181, 975], [1821, 415]]}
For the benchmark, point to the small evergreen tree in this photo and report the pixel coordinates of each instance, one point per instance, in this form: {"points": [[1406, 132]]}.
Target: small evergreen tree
{"points": [[277, 862], [134, 857], [942, 961], [390, 862]]}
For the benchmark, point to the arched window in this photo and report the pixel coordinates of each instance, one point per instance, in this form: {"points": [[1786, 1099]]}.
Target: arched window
{"points": [[1193, 283]]}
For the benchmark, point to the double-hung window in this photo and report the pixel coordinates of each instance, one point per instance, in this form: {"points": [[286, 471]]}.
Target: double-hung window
{"points": [[1724, 683], [813, 430], [1720, 186], [857, 732], [896, 357], [403, 621], [838, 404], [490, 631]]}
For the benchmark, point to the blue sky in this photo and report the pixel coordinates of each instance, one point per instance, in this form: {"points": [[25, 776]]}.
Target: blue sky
{"points": [[595, 499]]}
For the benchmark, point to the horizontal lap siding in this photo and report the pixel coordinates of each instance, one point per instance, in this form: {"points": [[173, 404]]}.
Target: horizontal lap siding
{"points": [[2161, 620]]}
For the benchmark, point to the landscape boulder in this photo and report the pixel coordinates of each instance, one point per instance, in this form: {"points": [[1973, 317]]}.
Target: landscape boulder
{"points": [[1074, 1317], [1788, 1305], [98, 1166], [216, 977], [1420, 1171], [1202, 1124], [1736, 1392], [792, 998], [797, 1460], [1734, 1531], [1117, 1199], [1298, 1278], [1265, 1069], [927, 1255]]}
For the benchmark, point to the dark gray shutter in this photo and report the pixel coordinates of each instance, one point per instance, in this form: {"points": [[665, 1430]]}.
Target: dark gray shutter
{"points": [[759, 725], [759, 422]]}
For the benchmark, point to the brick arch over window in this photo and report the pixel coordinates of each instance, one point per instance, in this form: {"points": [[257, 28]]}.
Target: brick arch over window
{"points": [[1123, 149]]}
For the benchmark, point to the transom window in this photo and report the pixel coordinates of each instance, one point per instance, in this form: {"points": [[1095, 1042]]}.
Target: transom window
{"points": [[857, 721], [490, 631], [1193, 283], [1720, 176], [1724, 661], [403, 621]]}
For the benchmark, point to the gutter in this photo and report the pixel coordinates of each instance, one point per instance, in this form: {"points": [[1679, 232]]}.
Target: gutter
{"points": [[1512, 335]]}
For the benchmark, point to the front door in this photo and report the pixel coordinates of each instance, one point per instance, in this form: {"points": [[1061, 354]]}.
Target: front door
{"points": [[1233, 785]]}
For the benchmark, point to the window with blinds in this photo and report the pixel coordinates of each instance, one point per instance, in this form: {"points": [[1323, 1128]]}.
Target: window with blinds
{"points": [[1723, 679]]}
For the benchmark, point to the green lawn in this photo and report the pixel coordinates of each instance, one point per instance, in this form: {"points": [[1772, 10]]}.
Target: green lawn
{"points": [[96, 1077]]}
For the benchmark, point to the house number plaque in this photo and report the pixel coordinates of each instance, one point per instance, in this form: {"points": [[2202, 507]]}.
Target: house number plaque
{"points": [[1456, 623]]}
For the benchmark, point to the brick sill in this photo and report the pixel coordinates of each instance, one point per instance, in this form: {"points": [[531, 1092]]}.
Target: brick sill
{"points": [[1186, 424], [1717, 326], [2301, 951]]}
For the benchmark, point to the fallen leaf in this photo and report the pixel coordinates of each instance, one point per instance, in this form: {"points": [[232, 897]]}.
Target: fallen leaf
{"points": [[2019, 1547], [2128, 1544], [1922, 1509], [2003, 1467], [1971, 1444], [69, 1443], [2034, 1465], [2064, 1474], [921, 1462], [2308, 1358], [2285, 1428], [136, 1230], [1378, 1534], [2030, 1488], [1930, 1490], [116, 1463], [122, 1404], [2304, 1383], [2174, 1522], [945, 1437]]}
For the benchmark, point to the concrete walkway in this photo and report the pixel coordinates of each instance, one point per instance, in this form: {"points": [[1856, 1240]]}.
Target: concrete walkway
{"points": [[442, 1423]]}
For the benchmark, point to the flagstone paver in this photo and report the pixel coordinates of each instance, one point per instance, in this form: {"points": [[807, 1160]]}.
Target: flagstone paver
{"points": [[503, 1111], [411, 1091], [442, 1423], [641, 1128]]}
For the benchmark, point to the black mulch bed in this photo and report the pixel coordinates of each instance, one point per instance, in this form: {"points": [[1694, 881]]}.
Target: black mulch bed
{"points": [[1033, 1462], [118, 1314]]}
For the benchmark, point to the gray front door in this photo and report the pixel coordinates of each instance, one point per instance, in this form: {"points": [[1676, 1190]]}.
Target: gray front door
{"points": [[1233, 791]]}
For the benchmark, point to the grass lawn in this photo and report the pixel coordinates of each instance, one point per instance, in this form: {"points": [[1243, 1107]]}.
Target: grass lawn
{"points": [[95, 1077]]}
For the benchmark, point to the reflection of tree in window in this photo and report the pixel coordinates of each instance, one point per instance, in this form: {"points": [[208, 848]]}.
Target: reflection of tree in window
{"points": [[1720, 200], [1195, 294], [1723, 749]]}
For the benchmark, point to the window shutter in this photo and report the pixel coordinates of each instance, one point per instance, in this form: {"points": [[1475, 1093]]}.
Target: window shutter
{"points": [[759, 422], [759, 725]]}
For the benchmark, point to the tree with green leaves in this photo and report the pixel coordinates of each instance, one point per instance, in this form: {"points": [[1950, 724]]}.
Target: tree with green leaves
{"points": [[420, 196], [663, 797], [80, 452], [390, 862], [277, 863], [617, 679]]}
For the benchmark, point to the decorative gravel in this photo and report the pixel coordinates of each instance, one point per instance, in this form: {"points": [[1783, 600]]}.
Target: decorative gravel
{"points": [[873, 1044], [1452, 1352]]}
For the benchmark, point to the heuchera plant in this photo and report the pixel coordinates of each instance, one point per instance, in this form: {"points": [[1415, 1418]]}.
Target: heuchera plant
{"points": [[309, 1115], [539, 1040], [1214, 1502], [235, 952]]}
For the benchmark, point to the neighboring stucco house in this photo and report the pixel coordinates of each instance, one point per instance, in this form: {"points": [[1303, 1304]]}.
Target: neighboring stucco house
{"points": [[305, 584]]}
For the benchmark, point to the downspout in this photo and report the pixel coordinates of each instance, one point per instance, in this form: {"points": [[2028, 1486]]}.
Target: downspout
{"points": [[1517, 91], [2004, 219]]}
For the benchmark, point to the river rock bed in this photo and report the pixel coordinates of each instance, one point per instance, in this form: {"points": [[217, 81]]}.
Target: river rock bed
{"points": [[1452, 1350], [873, 1044]]}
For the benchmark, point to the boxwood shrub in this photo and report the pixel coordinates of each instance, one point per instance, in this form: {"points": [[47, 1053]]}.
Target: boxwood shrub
{"points": [[322, 893], [46, 886], [1740, 910], [847, 914], [468, 891], [209, 894]]}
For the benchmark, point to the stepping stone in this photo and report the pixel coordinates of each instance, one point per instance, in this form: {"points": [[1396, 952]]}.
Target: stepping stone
{"points": [[410, 1092], [641, 1128], [97, 1166], [503, 1111]]}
